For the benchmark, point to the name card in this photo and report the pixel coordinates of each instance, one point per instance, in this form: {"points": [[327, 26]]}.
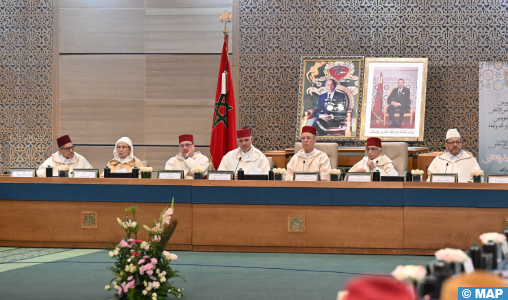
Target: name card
{"points": [[80, 174], [219, 176], [23, 173], [358, 177], [170, 175], [443, 177], [497, 178], [306, 176]]}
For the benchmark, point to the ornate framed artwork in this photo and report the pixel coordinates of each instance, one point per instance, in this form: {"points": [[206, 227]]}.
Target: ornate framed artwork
{"points": [[329, 96], [393, 99]]}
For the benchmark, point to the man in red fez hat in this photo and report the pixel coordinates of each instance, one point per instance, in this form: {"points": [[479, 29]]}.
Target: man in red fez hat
{"points": [[188, 158], [245, 157], [65, 156], [308, 159], [374, 159]]}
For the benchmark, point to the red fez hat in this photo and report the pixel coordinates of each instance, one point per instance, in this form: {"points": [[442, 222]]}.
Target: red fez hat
{"points": [[241, 133], [65, 139], [374, 141], [185, 138], [309, 129], [378, 288]]}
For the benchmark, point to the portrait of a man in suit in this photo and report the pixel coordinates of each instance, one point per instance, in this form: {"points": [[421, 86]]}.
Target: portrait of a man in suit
{"points": [[332, 108], [399, 102]]}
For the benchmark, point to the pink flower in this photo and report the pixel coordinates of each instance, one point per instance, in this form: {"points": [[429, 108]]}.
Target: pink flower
{"points": [[138, 241], [130, 278], [167, 216], [131, 240], [154, 261], [135, 253], [157, 238], [124, 244], [149, 272], [156, 227], [141, 261], [146, 256]]}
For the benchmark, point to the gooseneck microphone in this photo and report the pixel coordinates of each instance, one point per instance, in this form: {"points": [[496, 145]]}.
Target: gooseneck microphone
{"points": [[303, 166], [446, 167], [377, 161], [238, 164]]}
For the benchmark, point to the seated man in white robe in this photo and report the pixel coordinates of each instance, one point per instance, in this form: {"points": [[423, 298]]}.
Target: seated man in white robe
{"points": [[188, 158], [65, 156], [308, 159], [245, 157], [374, 160], [454, 159]]}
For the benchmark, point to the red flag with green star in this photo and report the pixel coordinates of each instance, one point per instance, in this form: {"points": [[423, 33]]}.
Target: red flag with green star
{"points": [[224, 118]]}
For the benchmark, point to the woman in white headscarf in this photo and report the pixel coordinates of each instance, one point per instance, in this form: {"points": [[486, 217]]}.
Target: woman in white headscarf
{"points": [[123, 157]]}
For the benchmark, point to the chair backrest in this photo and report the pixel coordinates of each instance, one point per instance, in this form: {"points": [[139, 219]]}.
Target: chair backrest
{"points": [[331, 149], [397, 152]]}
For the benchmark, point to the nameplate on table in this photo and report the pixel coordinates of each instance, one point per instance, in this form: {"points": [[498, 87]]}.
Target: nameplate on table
{"points": [[22, 172], [306, 176], [444, 177], [494, 178], [358, 177], [85, 173], [170, 174], [221, 175]]}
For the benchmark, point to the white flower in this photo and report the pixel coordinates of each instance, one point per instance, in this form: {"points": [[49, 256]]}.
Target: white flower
{"points": [[156, 285], [145, 292], [144, 283], [133, 224], [149, 288], [114, 284], [116, 252], [163, 279], [111, 254], [163, 273], [492, 236], [143, 244], [129, 260], [411, 272], [158, 271], [450, 255], [173, 256], [107, 287], [147, 247]]}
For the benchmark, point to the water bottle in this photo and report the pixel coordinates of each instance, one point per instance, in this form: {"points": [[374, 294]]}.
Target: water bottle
{"points": [[270, 175], [106, 172], [476, 256], [490, 252], [49, 171], [376, 176], [241, 174]]}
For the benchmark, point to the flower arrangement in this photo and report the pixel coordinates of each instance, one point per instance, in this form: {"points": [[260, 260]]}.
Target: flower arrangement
{"points": [[335, 172], [142, 268], [409, 273], [497, 238], [279, 170], [63, 168], [450, 255], [197, 170], [417, 172], [477, 173], [146, 169]]}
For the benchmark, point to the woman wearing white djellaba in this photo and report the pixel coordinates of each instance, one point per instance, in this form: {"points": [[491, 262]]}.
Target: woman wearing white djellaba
{"points": [[123, 157]]}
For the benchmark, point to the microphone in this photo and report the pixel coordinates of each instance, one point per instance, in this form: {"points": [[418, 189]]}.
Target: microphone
{"points": [[446, 167], [303, 166], [377, 161], [238, 164]]}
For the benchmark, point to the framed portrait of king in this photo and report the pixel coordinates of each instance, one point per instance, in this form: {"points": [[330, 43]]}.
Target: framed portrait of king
{"points": [[329, 96], [393, 99]]}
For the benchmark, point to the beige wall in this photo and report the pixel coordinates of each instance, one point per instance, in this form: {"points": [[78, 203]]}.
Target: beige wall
{"points": [[143, 69]]}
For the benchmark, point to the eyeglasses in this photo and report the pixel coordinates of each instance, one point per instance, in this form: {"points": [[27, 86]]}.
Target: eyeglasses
{"points": [[307, 138], [371, 149], [122, 147], [454, 143], [186, 145], [68, 148]]}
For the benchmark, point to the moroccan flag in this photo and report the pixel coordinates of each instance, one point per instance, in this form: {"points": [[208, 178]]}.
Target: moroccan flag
{"points": [[224, 119], [378, 101]]}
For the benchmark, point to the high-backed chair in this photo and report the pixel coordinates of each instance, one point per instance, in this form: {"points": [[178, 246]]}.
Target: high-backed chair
{"points": [[331, 149], [397, 152]]}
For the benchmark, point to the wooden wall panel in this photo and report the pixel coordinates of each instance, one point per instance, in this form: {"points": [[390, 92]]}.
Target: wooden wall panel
{"points": [[102, 3], [102, 121], [187, 3], [156, 157], [181, 77], [327, 226], [101, 77], [60, 221], [454, 227], [184, 30], [166, 120], [102, 30]]}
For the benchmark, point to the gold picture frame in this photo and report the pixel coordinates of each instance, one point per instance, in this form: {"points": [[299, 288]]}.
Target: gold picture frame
{"points": [[386, 80]]}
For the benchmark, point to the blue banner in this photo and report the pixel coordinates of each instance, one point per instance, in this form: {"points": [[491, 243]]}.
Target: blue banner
{"points": [[469, 293]]}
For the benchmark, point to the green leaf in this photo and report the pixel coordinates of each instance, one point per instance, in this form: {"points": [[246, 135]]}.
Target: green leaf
{"points": [[147, 228]]}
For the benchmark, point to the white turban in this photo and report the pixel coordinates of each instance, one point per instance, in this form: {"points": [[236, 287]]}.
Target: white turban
{"points": [[452, 133], [131, 154]]}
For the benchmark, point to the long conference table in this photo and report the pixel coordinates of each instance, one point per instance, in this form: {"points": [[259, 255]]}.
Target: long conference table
{"points": [[254, 216]]}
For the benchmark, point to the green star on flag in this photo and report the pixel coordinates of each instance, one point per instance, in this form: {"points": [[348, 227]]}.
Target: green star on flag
{"points": [[218, 116]]}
